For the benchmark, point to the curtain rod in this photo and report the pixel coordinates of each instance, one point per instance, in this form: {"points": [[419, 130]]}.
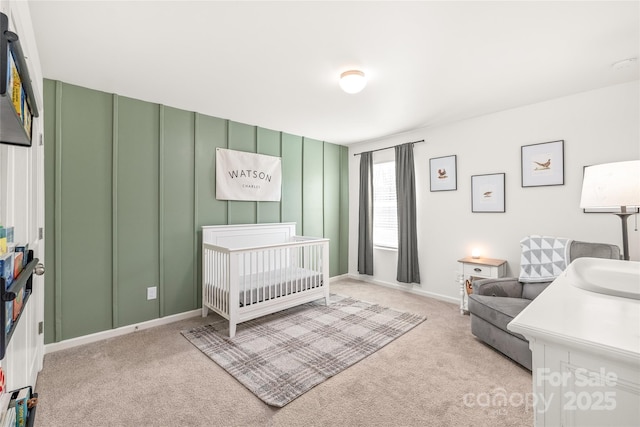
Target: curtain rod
{"points": [[387, 148]]}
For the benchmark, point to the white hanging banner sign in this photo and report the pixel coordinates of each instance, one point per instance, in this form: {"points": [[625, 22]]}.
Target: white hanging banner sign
{"points": [[247, 176]]}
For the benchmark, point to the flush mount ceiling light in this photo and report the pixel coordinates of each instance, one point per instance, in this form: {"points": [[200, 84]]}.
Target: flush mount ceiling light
{"points": [[352, 81]]}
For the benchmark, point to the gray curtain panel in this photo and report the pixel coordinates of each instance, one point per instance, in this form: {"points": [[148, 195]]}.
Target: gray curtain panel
{"points": [[365, 225], [408, 268]]}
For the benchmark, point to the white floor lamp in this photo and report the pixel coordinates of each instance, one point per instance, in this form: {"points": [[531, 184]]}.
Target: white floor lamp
{"points": [[614, 186]]}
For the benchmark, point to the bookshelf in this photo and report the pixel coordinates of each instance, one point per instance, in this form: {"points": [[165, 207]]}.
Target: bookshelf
{"points": [[17, 101], [11, 402], [21, 283]]}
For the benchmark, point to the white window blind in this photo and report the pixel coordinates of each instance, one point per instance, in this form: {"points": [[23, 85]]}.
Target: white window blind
{"points": [[385, 216]]}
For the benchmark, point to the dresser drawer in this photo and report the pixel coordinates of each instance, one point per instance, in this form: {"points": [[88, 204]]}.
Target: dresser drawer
{"points": [[478, 270]]}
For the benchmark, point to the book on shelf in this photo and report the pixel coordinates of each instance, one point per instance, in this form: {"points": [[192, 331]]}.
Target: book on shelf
{"points": [[17, 303], [8, 316], [9, 418], [17, 264], [3, 240], [24, 249], [6, 269], [5, 400], [9, 87], [22, 411], [25, 113], [27, 120], [16, 90], [15, 405]]}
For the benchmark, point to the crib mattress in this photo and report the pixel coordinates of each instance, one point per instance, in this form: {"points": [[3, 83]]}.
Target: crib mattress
{"points": [[258, 287]]}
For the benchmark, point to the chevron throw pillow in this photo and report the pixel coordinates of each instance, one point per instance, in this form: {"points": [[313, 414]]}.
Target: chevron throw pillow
{"points": [[543, 258]]}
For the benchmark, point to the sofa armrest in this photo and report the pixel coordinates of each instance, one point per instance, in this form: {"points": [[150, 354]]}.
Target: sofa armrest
{"points": [[502, 287]]}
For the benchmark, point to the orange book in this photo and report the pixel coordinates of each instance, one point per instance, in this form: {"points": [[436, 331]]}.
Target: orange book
{"points": [[17, 304], [17, 264]]}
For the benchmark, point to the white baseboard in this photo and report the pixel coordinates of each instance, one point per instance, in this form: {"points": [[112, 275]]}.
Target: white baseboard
{"points": [[340, 277], [405, 288], [99, 336]]}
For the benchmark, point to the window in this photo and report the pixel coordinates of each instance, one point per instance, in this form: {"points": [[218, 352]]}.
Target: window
{"points": [[385, 215]]}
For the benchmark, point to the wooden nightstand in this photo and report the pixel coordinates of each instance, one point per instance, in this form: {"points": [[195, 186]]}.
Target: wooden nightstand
{"points": [[483, 268]]}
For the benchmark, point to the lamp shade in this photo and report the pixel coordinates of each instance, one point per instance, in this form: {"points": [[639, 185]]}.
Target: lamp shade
{"points": [[611, 185], [352, 81]]}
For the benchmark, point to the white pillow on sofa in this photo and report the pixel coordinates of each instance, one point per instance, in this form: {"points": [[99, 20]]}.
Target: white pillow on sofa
{"points": [[543, 258]]}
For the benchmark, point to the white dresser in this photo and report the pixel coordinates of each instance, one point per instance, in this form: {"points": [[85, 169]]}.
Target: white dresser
{"points": [[586, 346]]}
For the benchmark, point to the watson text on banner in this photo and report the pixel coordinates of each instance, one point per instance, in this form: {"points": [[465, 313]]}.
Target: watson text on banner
{"points": [[247, 176]]}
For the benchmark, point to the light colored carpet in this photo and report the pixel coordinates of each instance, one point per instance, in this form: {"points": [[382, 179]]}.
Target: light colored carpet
{"points": [[283, 355], [157, 378]]}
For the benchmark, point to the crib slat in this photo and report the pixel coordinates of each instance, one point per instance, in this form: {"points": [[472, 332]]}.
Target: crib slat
{"points": [[223, 287], [316, 270], [254, 277], [307, 279], [220, 283], [298, 273], [283, 269], [264, 272], [255, 271], [227, 282], [244, 277], [269, 274], [313, 266]]}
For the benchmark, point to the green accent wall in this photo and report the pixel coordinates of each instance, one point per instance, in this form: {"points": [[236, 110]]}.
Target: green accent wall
{"points": [[331, 204], [83, 169], [343, 242], [129, 183], [50, 100], [292, 175], [242, 138], [136, 201], [312, 188], [177, 281], [268, 144]]}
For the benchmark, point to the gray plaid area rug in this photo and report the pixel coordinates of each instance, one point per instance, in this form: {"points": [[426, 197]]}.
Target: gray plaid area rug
{"points": [[281, 356]]}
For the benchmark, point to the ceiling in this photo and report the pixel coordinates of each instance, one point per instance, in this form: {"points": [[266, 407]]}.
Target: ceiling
{"points": [[276, 64]]}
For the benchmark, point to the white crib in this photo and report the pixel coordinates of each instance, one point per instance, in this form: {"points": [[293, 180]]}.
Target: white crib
{"points": [[251, 270]]}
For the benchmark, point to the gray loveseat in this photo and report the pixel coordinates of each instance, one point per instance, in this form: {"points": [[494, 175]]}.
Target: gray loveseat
{"points": [[495, 302]]}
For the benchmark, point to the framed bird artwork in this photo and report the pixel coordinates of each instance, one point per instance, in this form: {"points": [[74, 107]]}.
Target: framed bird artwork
{"points": [[487, 193], [543, 164], [443, 173]]}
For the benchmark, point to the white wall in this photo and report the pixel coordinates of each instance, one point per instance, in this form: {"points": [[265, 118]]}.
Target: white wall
{"points": [[598, 126]]}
